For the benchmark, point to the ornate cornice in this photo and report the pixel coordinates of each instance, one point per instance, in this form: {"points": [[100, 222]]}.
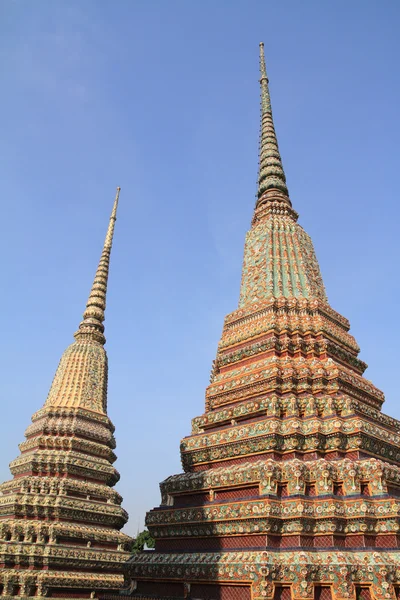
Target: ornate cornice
{"points": [[261, 571]]}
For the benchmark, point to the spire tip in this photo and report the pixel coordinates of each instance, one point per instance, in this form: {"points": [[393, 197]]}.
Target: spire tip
{"points": [[92, 325]]}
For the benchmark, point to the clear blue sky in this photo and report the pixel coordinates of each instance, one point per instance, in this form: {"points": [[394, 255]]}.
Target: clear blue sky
{"points": [[161, 98]]}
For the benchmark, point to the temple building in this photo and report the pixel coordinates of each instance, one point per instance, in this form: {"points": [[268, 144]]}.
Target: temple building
{"points": [[291, 478], [60, 517]]}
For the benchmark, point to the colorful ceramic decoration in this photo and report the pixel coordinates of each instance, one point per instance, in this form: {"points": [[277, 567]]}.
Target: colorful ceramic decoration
{"points": [[291, 478]]}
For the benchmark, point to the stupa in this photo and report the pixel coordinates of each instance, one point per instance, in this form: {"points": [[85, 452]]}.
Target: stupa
{"points": [[60, 517], [291, 482]]}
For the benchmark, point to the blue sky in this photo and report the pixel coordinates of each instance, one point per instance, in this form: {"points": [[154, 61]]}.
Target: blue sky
{"points": [[161, 98]]}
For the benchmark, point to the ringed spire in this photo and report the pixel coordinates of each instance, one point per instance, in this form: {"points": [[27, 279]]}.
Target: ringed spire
{"points": [[271, 175], [92, 325]]}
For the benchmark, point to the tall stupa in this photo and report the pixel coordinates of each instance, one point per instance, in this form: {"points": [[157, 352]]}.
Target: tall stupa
{"points": [[60, 517], [291, 478]]}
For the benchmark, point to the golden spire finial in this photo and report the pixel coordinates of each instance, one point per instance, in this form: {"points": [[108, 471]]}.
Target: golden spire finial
{"points": [[92, 325]]}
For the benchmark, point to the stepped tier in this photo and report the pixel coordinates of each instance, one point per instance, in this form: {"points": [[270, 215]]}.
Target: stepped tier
{"points": [[59, 517], [291, 482], [318, 499]]}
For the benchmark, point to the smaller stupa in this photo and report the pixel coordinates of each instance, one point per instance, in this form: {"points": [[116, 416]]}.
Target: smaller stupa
{"points": [[60, 517]]}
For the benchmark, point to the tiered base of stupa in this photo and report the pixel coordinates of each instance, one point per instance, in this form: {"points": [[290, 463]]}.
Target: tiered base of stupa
{"points": [[291, 487], [59, 515], [260, 575], [331, 530]]}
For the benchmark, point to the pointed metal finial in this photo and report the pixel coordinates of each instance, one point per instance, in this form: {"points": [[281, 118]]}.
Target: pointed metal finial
{"points": [[92, 327], [271, 175], [263, 70]]}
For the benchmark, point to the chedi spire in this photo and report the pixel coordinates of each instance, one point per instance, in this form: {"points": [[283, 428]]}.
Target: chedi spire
{"points": [[279, 258], [81, 377], [92, 325], [60, 517], [271, 176]]}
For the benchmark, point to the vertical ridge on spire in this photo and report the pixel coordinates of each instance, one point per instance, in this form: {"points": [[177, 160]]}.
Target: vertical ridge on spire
{"points": [[92, 325], [271, 175]]}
